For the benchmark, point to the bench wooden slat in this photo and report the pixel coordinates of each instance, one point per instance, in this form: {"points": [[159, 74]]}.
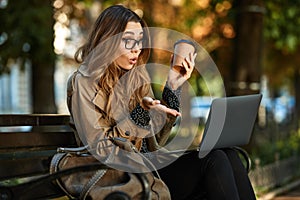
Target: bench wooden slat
{"points": [[35, 139], [27, 151], [27, 154], [27, 145], [47, 191], [24, 167], [33, 119]]}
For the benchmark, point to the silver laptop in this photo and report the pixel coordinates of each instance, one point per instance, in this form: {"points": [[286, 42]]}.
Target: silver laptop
{"points": [[230, 122]]}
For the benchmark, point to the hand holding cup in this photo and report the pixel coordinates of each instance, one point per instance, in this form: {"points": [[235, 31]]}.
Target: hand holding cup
{"points": [[182, 63], [182, 50]]}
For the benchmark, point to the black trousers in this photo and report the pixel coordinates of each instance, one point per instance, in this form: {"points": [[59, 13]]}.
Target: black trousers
{"points": [[219, 175]]}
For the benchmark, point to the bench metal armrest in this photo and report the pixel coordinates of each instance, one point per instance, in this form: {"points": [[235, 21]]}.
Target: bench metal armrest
{"points": [[245, 155]]}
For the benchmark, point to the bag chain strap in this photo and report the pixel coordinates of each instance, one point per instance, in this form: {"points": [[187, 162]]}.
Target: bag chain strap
{"points": [[92, 182], [54, 168]]}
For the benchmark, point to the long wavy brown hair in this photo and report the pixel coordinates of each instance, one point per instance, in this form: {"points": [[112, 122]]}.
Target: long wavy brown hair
{"points": [[106, 34]]}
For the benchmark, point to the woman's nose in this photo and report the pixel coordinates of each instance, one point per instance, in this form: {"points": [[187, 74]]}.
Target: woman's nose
{"points": [[136, 48]]}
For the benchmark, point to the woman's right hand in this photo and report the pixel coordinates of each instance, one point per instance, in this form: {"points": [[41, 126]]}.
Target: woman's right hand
{"points": [[149, 103], [175, 78]]}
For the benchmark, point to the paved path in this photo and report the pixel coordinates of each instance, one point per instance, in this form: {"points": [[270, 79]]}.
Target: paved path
{"points": [[292, 195], [290, 191]]}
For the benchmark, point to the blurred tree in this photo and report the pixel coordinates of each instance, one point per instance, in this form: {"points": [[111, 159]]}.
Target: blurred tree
{"points": [[283, 46], [282, 24], [247, 64], [27, 36]]}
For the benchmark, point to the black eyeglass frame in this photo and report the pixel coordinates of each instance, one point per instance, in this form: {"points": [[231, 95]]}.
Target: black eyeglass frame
{"points": [[139, 43]]}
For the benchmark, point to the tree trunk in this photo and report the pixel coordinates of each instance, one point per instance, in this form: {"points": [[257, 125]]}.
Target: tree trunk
{"points": [[43, 60], [246, 71], [43, 87]]}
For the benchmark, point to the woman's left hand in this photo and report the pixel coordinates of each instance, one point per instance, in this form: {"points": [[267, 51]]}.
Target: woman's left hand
{"points": [[149, 103], [176, 79]]}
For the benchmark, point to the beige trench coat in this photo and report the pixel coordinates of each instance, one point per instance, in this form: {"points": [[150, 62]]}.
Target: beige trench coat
{"points": [[88, 106]]}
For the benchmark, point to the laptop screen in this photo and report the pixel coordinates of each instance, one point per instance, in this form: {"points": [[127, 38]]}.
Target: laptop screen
{"points": [[230, 122]]}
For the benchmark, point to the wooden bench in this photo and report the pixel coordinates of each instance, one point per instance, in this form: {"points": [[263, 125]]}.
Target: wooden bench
{"points": [[27, 144]]}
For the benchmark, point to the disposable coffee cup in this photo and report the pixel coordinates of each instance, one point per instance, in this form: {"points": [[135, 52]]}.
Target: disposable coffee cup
{"points": [[182, 49]]}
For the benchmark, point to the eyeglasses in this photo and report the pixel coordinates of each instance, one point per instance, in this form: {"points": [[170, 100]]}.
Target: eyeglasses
{"points": [[130, 43]]}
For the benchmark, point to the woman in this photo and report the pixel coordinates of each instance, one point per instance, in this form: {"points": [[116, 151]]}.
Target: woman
{"points": [[110, 96]]}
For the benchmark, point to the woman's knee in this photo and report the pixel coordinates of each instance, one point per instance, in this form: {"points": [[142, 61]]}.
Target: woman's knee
{"points": [[218, 159], [217, 154]]}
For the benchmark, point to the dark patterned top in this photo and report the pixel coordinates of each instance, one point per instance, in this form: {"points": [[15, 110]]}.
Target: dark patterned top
{"points": [[144, 150], [140, 117], [172, 97]]}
